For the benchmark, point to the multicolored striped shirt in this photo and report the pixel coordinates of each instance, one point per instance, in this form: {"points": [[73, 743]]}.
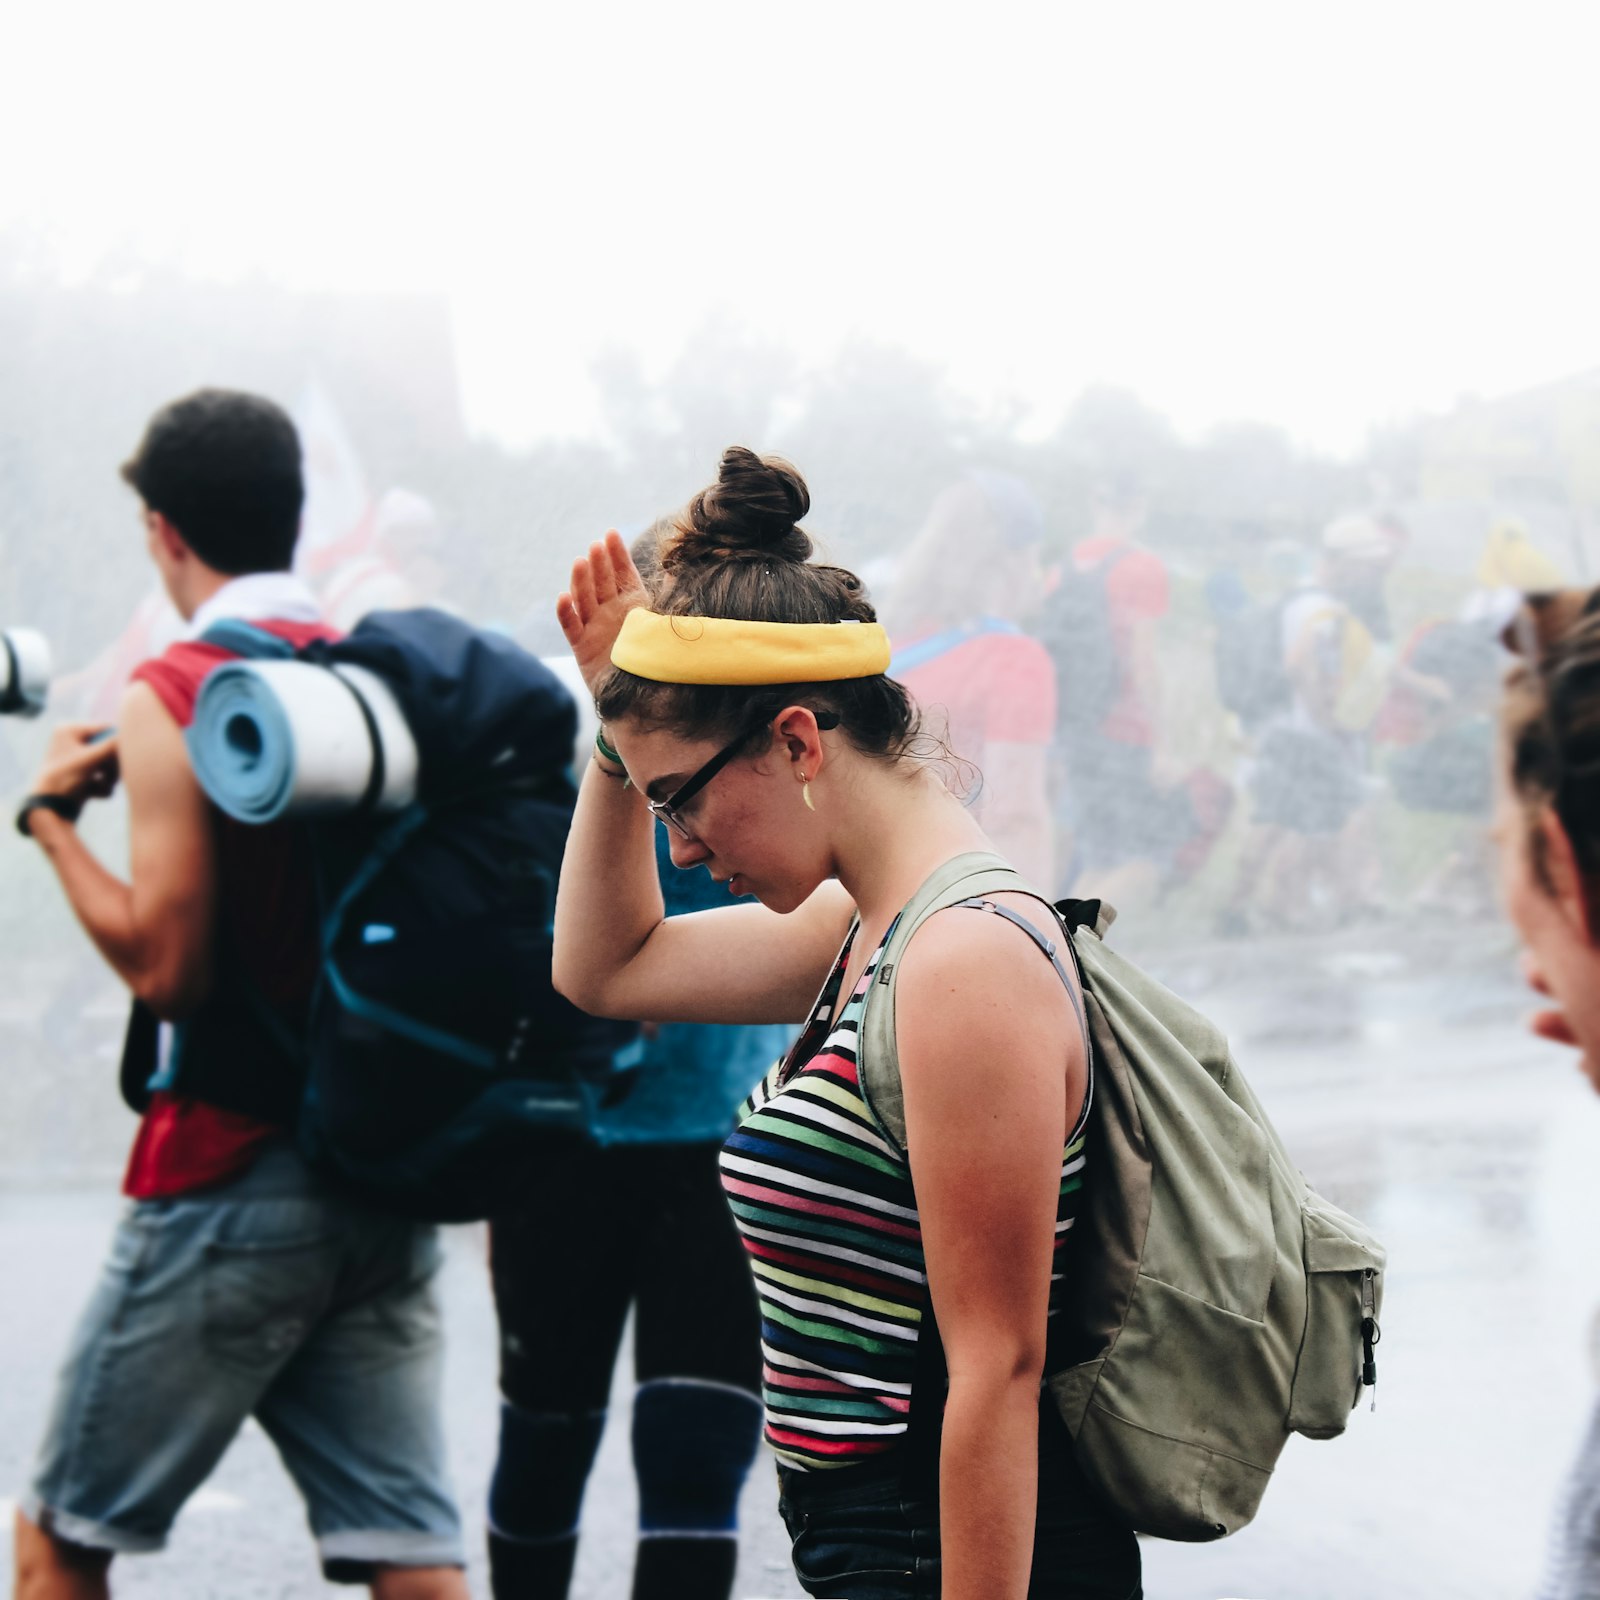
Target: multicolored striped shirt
{"points": [[825, 1207]]}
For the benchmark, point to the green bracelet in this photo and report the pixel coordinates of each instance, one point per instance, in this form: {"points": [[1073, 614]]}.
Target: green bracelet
{"points": [[601, 748]]}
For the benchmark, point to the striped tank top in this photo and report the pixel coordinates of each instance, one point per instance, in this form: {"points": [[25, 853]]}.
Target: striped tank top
{"points": [[825, 1208]]}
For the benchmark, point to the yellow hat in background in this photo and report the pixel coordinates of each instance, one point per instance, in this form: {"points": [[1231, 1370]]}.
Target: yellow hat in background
{"points": [[1510, 561]]}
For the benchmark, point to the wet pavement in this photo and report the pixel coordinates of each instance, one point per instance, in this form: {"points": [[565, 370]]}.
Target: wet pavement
{"points": [[1399, 1074]]}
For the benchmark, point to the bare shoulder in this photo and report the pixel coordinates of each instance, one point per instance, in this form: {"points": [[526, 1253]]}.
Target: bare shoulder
{"points": [[151, 749], [144, 721], [966, 968], [986, 1032], [961, 939]]}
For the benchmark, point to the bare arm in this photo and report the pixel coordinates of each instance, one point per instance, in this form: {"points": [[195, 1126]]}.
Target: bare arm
{"points": [[155, 930], [1017, 813], [616, 954], [992, 1060]]}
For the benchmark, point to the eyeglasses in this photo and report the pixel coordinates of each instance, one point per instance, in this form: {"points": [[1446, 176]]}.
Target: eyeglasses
{"points": [[670, 810]]}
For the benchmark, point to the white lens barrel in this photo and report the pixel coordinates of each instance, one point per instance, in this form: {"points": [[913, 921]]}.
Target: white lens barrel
{"points": [[24, 672]]}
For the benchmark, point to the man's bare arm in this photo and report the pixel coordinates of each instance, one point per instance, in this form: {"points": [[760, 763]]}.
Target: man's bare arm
{"points": [[154, 931]]}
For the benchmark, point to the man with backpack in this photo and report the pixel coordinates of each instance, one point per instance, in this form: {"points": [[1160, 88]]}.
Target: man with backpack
{"points": [[239, 1284]]}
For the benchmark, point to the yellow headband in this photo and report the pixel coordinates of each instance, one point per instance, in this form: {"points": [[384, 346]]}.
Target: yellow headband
{"points": [[722, 650]]}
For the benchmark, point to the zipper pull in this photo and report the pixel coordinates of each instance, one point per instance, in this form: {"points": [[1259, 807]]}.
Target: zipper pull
{"points": [[1371, 1334]]}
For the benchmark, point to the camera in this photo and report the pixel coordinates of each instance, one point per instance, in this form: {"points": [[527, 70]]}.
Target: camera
{"points": [[24, 672]]}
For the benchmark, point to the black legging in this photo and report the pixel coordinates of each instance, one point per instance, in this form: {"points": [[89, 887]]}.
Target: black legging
{"points": [[602, 1230]]}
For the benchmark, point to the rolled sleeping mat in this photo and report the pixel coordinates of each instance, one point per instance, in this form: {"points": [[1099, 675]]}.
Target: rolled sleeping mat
{"points": [[275, 739], [24, 672]]}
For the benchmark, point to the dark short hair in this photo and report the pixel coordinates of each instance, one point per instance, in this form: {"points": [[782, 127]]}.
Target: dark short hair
{"points": [[224, 469], [1550, 721]]}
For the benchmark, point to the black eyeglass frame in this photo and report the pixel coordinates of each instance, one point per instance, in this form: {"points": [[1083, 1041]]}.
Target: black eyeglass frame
{"points": [[670, 810]]}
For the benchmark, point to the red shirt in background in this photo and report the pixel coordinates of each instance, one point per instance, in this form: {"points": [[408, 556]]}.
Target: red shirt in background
{"points": [[266, 893], [1137, 590], [995, 688]]}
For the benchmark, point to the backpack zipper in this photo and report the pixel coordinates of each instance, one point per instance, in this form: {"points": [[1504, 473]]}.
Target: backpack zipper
{"points": [[1371, 1333]]}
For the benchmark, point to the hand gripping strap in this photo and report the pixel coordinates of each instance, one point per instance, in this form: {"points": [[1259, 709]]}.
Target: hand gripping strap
{"points": [[964, 879]]}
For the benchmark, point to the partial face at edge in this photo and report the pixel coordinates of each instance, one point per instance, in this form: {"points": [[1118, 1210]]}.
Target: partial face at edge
{"points": [[748, 825], [1561, 960]]}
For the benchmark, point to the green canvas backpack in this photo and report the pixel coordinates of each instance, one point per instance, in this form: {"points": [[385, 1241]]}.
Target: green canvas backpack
{"points": [[1218, 1304]]}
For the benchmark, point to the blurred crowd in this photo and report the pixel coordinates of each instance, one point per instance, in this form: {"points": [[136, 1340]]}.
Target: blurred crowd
{"points": [[1276, 733], [1287, 741]]}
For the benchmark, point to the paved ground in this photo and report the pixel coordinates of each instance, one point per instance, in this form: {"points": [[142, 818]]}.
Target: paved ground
{"points": [[1411, 1097]]}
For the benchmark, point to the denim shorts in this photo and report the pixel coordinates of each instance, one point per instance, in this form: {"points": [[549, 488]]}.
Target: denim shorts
{"points": [[271, 1296], [871, 1531]]}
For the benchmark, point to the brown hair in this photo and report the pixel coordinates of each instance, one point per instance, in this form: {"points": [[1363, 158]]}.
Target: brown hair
{"points": [[737, 550], [1551, 721]]}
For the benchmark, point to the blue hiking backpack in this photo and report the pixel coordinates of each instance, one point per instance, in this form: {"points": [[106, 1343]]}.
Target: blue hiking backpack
{"points": [[438, 1059]]}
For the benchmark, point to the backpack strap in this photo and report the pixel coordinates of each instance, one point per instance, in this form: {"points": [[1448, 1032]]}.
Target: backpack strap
{"points": [[1048, 947], [247, 641], [962, 880], [937, 644]]}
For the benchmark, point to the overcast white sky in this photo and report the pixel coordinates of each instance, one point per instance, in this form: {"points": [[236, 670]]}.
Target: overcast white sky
{"points": [[1318, 215]]}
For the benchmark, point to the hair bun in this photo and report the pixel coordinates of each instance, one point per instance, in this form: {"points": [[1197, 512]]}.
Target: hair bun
{"points": [[751, 513]]}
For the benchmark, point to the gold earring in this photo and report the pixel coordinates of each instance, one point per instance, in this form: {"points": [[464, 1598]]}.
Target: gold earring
{"points": [[805, 792]]}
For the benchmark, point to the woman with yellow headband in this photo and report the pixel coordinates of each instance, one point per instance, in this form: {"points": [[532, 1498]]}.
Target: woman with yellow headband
{"points": [[747, 710]]}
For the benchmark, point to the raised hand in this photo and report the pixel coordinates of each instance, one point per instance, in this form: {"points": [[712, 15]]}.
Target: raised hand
{"points": [[605, 587]]}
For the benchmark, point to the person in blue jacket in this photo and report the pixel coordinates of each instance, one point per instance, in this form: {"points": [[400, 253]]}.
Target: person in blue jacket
{"points": [[638, 1221]]}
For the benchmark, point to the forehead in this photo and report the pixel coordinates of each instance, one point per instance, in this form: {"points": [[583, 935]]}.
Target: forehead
{"points": [[659, 759]]}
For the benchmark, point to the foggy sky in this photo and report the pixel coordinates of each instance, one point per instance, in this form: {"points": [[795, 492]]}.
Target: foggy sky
{"points": [[1325, 217]]}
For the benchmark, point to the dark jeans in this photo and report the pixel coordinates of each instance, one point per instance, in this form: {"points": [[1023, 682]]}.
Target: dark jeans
{"points": [[871, 1532]]}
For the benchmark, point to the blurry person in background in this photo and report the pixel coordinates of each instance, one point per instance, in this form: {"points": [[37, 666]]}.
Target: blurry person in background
{"points": [[964, 591], [1436, 730], [1510, 567], [238, 1285], [1382, 537], [1308, 860], [1547, 830], [403, 565], [638, 1222], [1100, 626], [1436, 725], [1437, 721]]}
